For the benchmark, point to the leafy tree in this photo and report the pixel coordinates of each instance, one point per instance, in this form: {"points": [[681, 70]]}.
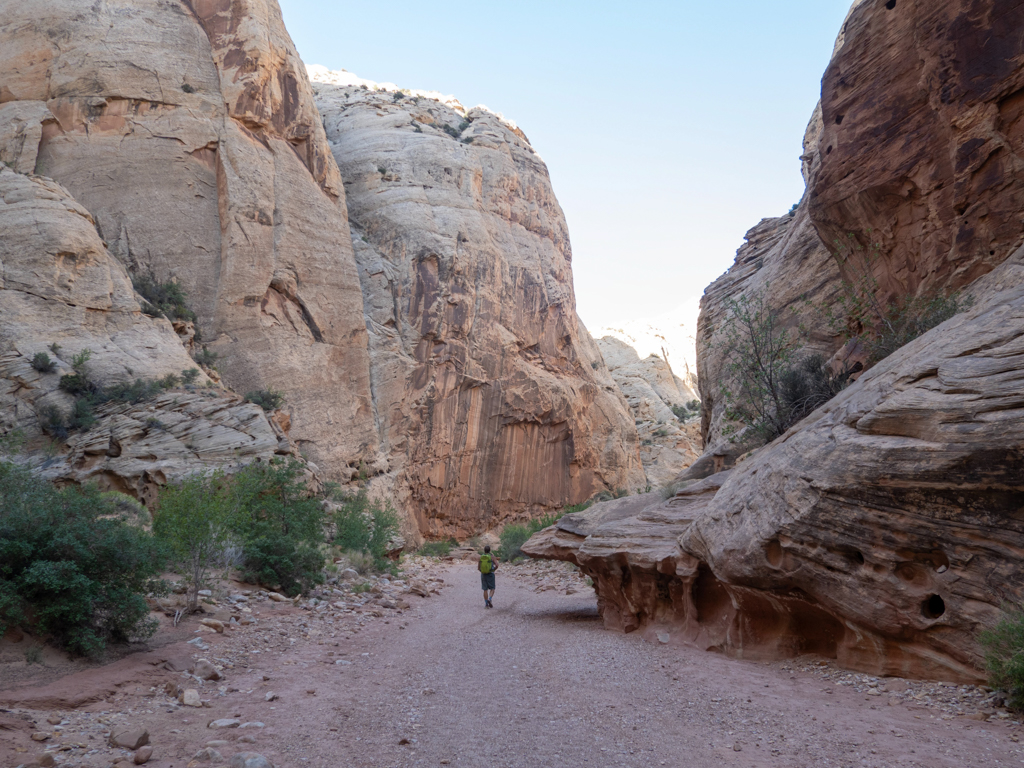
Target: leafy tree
{"points": [[70, 567], [365, 525], [192, 517], [280, 524]]}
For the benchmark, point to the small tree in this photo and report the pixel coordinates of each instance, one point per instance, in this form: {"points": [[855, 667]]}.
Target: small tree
{"points": [[192, 518], [758, 351]]}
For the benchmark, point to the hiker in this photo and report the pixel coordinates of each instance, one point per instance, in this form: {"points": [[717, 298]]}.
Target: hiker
{"points": [[488, 565]]}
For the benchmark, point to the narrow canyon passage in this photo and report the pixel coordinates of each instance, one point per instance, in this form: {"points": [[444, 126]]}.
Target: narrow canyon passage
{"points": [[538, 682]]}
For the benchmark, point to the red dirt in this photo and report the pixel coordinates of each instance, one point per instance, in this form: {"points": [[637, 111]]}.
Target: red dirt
{"points": [[537, 681]]}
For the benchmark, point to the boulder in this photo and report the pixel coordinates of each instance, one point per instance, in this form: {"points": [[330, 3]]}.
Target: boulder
{"points": [[205, 670], [142, 755], [129, 739]]}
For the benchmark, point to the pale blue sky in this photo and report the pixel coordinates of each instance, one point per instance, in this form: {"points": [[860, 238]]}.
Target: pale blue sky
{"points": [[669, 128]]}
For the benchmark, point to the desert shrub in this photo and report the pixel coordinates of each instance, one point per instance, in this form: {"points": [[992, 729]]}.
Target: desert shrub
{"points": [[192, 518], [808, 384], [77, 384], [360, 562], [1004, 656], [81, 418], [280, 525], [882, 327], [684, 412], [438, 548], [267, 399], [165, 299], [577, 508], [70, 568], [512, 539], [205, 357], [365, 525], [661, 432], [451, 130], [189, 377], [34, 654], [53, 422], [133, 392], [382, 170], [42, 363], [188, 88]]}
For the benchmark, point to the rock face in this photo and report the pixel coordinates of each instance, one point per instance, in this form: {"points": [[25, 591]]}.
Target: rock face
{"points": [[490, 396], [189, 132], [667, 445], [923, 142], [882, 531], [61, 286]]}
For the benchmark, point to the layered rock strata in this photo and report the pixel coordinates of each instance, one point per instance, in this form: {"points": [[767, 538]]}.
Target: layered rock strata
{"points": [[882, 531], [490, 397], [62, 293], [920, 184], [189, 132], [668, 445]]}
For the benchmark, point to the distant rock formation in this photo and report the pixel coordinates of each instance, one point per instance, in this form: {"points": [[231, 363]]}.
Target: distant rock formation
{"points": [[490, 397], [882, 530], [668, 444]]}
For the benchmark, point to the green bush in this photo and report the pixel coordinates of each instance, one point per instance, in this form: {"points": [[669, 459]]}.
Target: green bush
{"points": [[205, 358], [42, 363], [267, 399], [438, 548], [164, 299], [365, 525], [192, 519], [808, 384], [451, 130], [280, 525], [70, 568], [189, 377], [512, 539], [1004, 656]]}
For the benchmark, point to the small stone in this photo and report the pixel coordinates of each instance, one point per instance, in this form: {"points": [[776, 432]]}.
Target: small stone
{"points": [[53, 719], [40, 736], [171, 689], [271, 696], [737, 748], [224, 722], [208, 755], [348, 574], [403, 741], [214, 624], [247, 739], [205, 593], [205, 670], [874, 692], [249, 760], [190, 698], [277, 597], [663, 637], [343, 663], [253, 724], [142, 755], [217, 743], [46, 760], [132, 739]]}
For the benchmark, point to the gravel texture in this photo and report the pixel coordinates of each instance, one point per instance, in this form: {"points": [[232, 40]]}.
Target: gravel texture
{"points": [[536, 681]]}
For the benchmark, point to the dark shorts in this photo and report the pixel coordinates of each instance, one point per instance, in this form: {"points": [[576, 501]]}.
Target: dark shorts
{"points": [[487, 580]]}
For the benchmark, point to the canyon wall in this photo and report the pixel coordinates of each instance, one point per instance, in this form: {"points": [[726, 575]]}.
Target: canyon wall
{"points": [[433, 348], [490, 397], [189, 132], [882, 530]]}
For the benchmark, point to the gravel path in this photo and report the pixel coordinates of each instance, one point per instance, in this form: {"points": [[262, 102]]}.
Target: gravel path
{"points": [[537, 681]]}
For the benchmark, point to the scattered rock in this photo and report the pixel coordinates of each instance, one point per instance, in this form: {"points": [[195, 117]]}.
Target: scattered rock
{"points": [[190, 698], [253, 724], [46, 760], [142, 755], [217, 626], [40, 736], [277, 597], [205, 670], [54, 719], [225, 722], [129, 739], [249, 760], [271, 696], [663, 637], [349, 574], [208, 755]]}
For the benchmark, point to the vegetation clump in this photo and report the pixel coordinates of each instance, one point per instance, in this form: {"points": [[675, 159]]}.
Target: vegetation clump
{"points": [[1004, 656], [267, 399], [163, 299], [441, 548], [72, 569], [365, 525], [684, 412], [42, 363], [514, 536], [205, 357]]}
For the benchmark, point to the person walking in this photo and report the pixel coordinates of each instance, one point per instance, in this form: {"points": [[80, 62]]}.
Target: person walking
{"points": [[488, 565]]}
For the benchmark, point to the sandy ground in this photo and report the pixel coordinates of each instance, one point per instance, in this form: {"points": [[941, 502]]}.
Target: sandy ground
{"points": [[536, 681]]}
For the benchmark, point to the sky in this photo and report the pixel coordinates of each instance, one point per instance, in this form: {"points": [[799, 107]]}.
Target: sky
{"points": [[669, 128]]}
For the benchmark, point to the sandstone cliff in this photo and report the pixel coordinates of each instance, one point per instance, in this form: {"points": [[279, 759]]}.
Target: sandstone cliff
{"points": [[490, 396], [62, 287], [189, 132], [668, 444], [881, 530], [446, 361]]}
